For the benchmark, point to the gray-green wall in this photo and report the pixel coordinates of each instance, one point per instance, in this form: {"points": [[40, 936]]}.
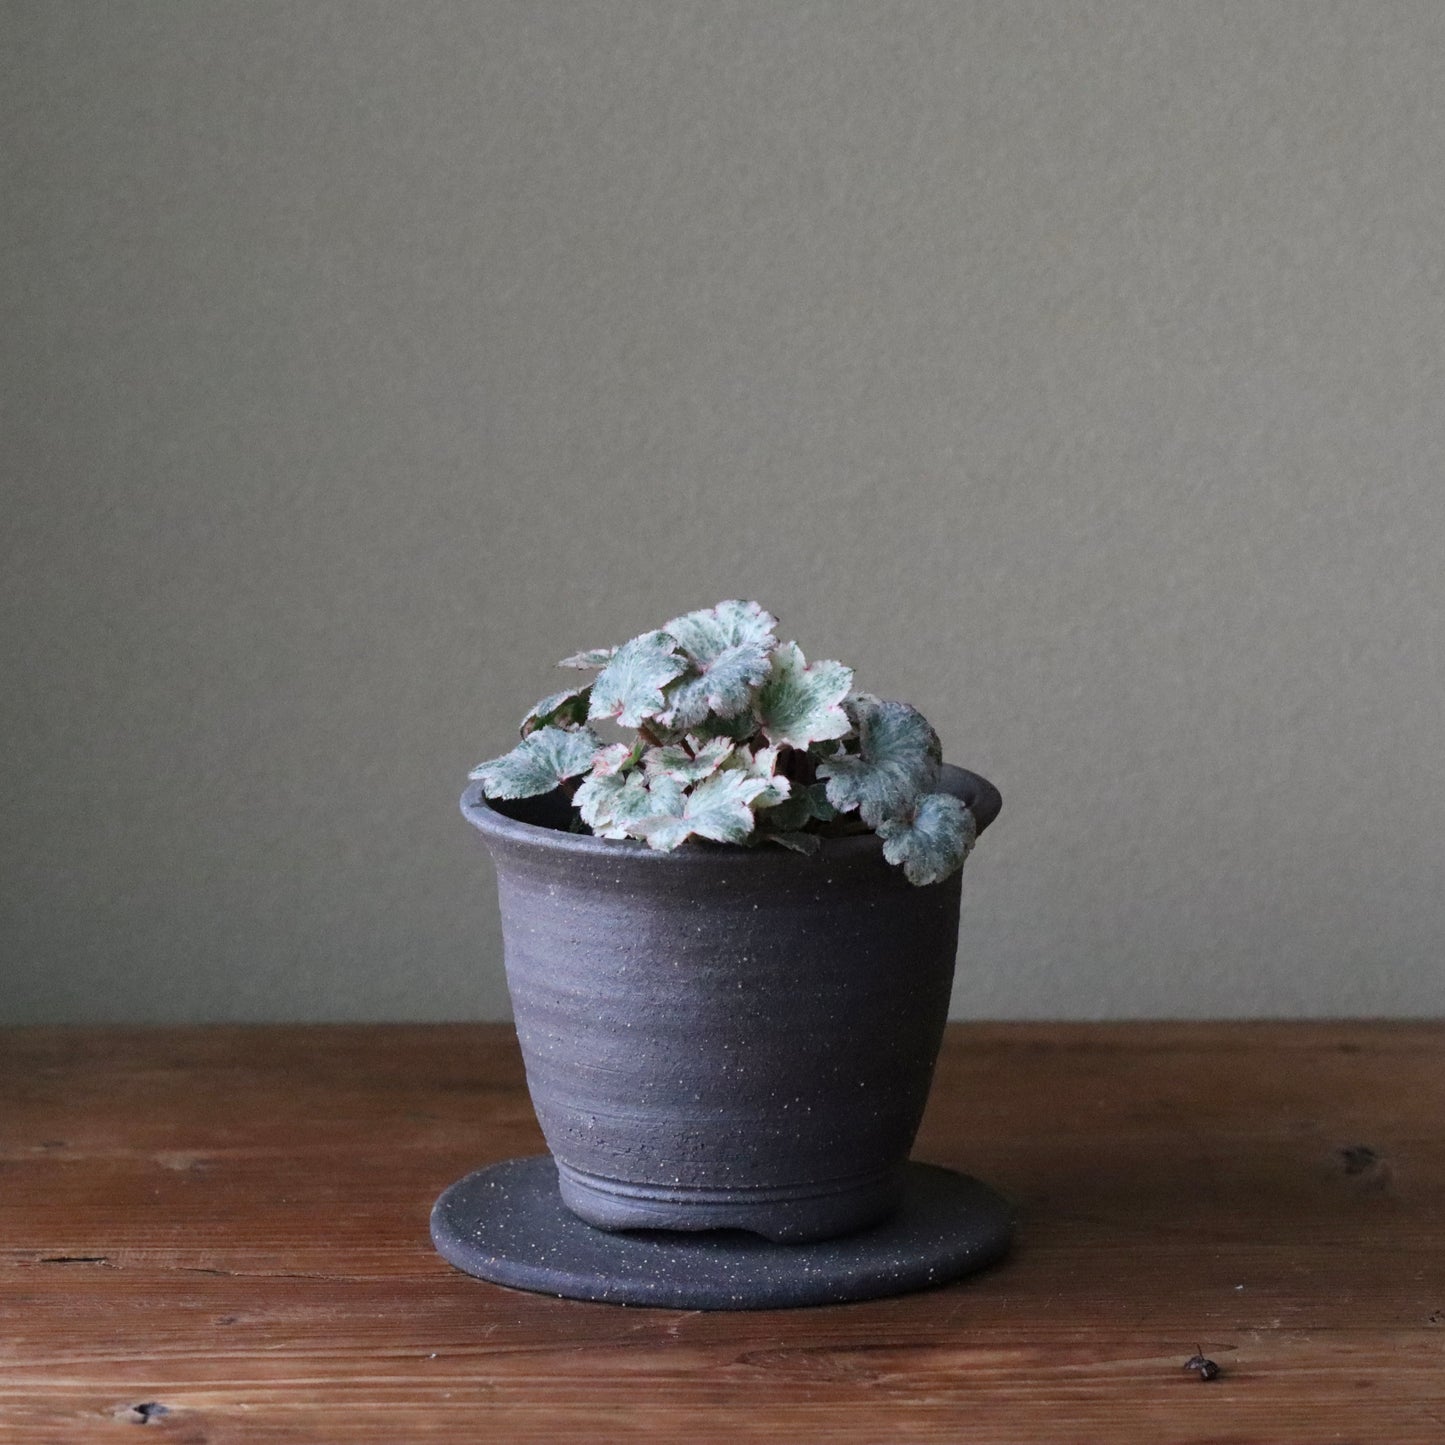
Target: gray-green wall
{"points": [[1075, 371]]}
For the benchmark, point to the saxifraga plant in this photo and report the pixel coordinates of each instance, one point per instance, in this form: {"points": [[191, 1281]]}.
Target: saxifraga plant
{"points": [[738, 739]]}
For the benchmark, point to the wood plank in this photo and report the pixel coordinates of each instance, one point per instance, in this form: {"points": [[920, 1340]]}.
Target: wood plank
{"points": [[231, 1222]]}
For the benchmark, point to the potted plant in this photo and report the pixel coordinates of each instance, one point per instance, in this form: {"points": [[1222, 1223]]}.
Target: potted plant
{"points": [[729, 930]]}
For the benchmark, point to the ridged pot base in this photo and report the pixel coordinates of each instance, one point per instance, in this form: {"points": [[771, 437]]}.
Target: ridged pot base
{"points": [[507, 1224], [784, 1215]]}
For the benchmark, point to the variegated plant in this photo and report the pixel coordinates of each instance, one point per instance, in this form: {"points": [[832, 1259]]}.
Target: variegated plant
{"points": [[738, 739]]}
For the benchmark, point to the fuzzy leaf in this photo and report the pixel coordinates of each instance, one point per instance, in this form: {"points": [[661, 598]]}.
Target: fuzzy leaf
{"points": [[630, 687], [727, 647], [932, 840], [898, 758], [799, 702], [675, 762], [617, 758], [723, 686], [598, 796], [761, 764], [567, 708], [611, 804], [591, 657], [717, 808], [538, 763], [709, 632]]}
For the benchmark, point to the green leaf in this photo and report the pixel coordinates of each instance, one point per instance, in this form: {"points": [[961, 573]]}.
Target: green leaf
{"points": [[930, 841], [799, 704], [898, 758], [800, 808], [717, 808], [592, 657], [630, 687], [706, 634], [805, 843], [675, 762], [567, 708], [539, 763], [738, 728], [611, 804]]}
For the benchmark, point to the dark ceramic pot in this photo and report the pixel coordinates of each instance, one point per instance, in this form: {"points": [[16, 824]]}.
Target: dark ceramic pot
{"points": [[723, 1037]]}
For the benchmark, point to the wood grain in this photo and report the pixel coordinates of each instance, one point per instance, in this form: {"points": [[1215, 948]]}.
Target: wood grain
{"points": [[232, 1223]]}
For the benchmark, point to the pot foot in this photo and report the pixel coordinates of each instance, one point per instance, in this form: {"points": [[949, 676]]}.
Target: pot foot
{"points": [[508, 1224], [790, 1215]]}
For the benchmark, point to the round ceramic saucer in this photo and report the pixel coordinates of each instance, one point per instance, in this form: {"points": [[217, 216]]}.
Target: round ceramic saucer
{"points": [[507, 1224]]}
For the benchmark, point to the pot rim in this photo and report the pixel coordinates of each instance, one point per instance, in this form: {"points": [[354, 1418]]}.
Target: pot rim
{"points": [[980, 795]]}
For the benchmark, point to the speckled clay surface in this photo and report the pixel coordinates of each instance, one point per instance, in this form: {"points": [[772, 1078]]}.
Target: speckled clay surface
{"points": [[724, 1037], [507, 1224]]}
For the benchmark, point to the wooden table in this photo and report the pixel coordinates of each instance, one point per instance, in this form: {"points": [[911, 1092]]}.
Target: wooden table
{"points": [[231, 1223]]}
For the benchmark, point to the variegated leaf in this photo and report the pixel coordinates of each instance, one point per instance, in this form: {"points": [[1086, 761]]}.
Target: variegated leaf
{"points": [[709, 632], [611, 804], [717, 808], [567, 708], [630, 687], [539, 763], [799, 703], [898, 758], [591, 657], [857, 702], [674, 761], [931, 840], [761, 764], [617, 758], [727, 647], [722, 686]]}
